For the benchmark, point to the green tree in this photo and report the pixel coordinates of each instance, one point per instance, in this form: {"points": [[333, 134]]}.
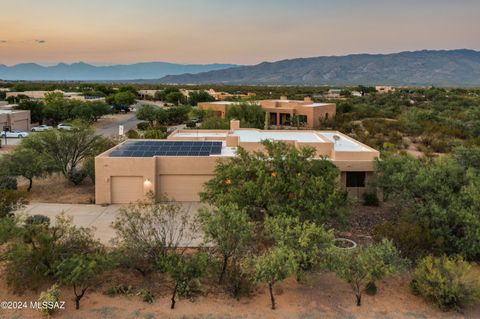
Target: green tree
{"points": [[82, 272], [274, 266], [147, 113], [57, 108], [446, 210], [365, 264], [282, 180], [230, 230], [36, 109], [122, 99], [249, 114], [201, 96], [67, 149], [27, 163], [183, 269], [307, 240], [175, 98]]}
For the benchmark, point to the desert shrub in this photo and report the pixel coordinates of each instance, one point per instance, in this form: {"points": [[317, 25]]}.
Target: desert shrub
{"points": [[51, 295], [119, 290], [10, 201], [154, 135], [447, 282], [370, 199], [8, 182], [133, 134], [412, 240], [147, 296], [38, 220], [371, 289], [143, 126], [77, 176]]}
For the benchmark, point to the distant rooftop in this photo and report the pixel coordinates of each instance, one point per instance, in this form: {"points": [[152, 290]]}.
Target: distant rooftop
{"points": [[258, 136]]}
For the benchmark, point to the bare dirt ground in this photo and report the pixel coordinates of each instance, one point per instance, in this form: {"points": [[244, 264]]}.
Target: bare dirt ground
{"points": [[325, 297], [56, 189]]}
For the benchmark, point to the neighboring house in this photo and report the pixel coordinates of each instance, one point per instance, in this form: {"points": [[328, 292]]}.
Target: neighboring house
{"points": [[147, 93], [333, 94], [384, 89], [16, 120], [284, 112], [179, 166], [222, 96], [40, 95]]}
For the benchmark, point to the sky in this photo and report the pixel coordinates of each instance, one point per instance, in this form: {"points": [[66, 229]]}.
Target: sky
{"points": [[228, 31]]}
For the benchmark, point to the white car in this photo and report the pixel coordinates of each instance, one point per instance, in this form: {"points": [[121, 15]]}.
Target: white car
{"points": [[14, 133], [65, 126], [41, 128]]}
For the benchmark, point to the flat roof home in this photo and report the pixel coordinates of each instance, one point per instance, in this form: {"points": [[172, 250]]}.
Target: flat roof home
{"points": [[180, 165], [284, 112], [15, 120]]}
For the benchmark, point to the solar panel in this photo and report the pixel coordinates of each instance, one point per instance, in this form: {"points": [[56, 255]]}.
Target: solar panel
{"points": [[168, 148]]}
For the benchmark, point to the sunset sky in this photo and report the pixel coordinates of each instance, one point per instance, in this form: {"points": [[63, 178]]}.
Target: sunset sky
{"points": [[221, 31]]}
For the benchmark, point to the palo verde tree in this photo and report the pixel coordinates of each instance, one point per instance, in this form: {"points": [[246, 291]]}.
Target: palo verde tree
{"points": [[66, 149], [183, 268], [364, 264], [82, 272], [275, 265], [306, 240], [230, 230], [280, 180]]}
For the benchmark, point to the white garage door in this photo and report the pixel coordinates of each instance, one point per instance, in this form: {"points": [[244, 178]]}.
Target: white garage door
{"points": [[183, 188], [126, 189]]}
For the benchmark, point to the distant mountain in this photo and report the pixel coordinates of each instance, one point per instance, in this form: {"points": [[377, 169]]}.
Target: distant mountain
{"points": [[440, 68], [86, 72]]}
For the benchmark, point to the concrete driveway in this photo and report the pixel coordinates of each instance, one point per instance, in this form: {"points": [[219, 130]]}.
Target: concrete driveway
{"points": [[97, 216]]}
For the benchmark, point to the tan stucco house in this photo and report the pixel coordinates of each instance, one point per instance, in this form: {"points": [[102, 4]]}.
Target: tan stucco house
{"points": [[284, 112], [15, 120], [179, 166]]}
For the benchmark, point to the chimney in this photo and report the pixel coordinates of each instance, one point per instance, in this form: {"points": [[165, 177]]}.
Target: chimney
{"points": [[234, 125], [308, 100], [283, 98]]}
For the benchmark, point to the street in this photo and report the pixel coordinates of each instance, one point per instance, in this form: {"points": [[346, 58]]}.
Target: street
{"points": [[108, 125]]}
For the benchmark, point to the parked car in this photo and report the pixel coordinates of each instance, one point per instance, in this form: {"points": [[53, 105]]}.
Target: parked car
{"points": [[65, 126], [41, 128], [14, 133]]}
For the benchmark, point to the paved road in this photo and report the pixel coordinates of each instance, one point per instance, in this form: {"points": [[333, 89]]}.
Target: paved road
{"points": [[108, 125], [99, 217], [11, 141]]}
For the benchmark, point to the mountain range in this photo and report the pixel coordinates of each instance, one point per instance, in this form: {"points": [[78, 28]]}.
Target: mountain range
{"points": [[86, 72], [417, 68], [428, 67]]}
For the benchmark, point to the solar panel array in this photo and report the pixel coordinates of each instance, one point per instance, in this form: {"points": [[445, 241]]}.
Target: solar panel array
{"points": [[168, 148]]}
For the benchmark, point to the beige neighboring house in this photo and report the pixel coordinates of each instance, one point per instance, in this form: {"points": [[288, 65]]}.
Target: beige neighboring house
{"points": [[284, 112], [222, 96], [147, 93], [40, 95], [384, 89], [16, 120], [179, 166]]}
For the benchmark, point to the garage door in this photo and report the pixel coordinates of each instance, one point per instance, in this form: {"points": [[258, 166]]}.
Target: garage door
{"points": [[183, 188], [126, 189], [21, 125]]}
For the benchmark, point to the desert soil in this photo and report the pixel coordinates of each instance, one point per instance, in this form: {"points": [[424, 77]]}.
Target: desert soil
{"points": [[324, 297]]}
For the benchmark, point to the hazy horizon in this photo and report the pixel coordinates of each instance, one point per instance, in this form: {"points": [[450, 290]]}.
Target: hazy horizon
{"points": [[213, 31]]}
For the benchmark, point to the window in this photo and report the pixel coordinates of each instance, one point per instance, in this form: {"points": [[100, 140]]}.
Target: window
{"points": [[356, 179]]}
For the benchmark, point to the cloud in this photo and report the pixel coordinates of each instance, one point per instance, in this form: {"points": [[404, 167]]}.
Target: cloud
{"points": [[40, 41], [3, 41]]}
